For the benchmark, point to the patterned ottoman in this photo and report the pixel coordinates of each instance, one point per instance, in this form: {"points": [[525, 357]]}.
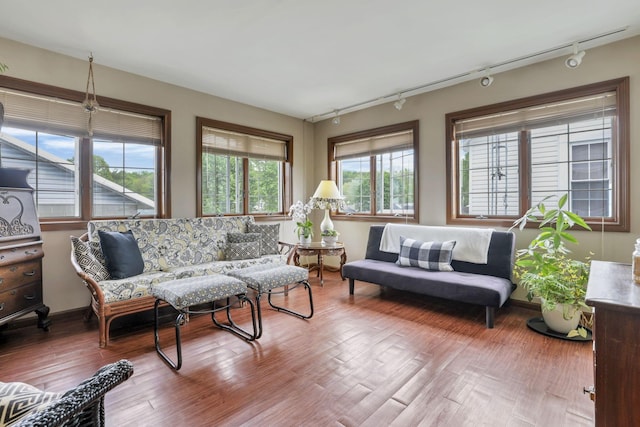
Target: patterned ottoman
{"points": [[265, 278], [185, 293]]}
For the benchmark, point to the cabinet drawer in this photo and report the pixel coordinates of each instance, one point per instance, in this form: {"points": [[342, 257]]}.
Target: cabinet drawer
{"points": [[17, 299], [12, 276], [12, 255]]}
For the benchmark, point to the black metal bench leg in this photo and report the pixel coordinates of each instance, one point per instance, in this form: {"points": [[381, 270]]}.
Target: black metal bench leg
{"points": [[232, 326], [179, 321], [491, 313], [295, 313]]}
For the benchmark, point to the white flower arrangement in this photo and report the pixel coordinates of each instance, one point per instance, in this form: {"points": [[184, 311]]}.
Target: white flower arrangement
{"points": [[300, 213]]}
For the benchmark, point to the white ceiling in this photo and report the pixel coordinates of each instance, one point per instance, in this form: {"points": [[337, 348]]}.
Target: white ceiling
{"points": [[306, 58]]}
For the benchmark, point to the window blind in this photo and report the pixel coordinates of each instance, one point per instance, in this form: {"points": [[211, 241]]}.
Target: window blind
{"points": [[374, 145], [537, 116], [62, 117], [230, 143]]}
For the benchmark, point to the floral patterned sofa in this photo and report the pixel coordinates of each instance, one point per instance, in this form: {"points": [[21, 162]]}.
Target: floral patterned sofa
{"points": [[170, 249]]}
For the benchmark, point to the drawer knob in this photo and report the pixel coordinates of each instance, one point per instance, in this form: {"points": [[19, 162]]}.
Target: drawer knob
{"points": [[1, 306], [29, 297], [591, 391], [31, 252], [1, 280], [29, 273]]}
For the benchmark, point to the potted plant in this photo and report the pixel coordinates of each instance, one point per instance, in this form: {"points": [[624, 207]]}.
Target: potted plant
{"points": [[304, 227], [330, 236], [546, 270]]}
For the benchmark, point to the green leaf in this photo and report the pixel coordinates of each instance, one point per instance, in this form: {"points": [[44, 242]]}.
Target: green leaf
{"points": [[577, 219], [569, 237], [573, 333], [563, 200]]}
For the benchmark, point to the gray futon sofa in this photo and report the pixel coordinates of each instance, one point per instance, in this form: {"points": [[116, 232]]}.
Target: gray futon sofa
{"points": [[483, 284]]}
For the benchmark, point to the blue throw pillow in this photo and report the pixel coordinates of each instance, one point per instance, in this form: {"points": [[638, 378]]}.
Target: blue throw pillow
{"points": [[428, 255], [121, 253]]}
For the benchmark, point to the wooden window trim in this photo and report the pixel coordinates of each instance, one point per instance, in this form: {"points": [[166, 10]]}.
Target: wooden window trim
{"points": [[414, 126], [286, 165], [163, 195], [621, 192]]}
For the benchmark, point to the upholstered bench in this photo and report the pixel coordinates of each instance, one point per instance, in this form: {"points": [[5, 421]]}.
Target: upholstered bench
{"points": [[265, 278], [183, 294]]}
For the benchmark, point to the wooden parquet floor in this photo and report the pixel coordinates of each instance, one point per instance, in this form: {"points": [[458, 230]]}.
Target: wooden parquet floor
{"points": [[394, 359]]}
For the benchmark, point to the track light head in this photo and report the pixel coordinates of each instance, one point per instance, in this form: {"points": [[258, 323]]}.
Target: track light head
{"points": [[574, 60], [399, 103], [336, 119], [486, 81]]}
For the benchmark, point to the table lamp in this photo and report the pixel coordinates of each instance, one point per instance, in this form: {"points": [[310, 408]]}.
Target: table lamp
{"points": [[327, 196]]}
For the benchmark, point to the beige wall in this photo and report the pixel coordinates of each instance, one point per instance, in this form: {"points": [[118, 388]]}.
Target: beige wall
{"points": [[603, 63], [62, 289]]}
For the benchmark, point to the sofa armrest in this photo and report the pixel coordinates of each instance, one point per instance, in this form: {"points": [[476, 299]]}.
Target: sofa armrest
{"points": [[287, 249], [84, 403], [90, 282]]}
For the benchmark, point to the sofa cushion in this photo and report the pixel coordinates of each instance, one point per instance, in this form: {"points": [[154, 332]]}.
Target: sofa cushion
{"points": [[223, 267], [454, 285], [270, 236], [17, 400], [428, 255], [242, 250], [132, 287], [122, 254], [243, 237], [90, 258]]}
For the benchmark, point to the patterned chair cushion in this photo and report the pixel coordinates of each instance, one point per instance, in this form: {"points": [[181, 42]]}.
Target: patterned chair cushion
{"points": [[263, 278], [269, 237], [90, 258], [197, 290], [428, 255], [19, 399]]}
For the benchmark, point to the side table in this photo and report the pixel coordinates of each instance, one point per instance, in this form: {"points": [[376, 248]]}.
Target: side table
{"points": [[320, 250]]}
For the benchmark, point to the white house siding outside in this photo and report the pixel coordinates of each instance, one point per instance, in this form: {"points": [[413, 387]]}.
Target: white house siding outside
{"points": [[494, 173], [56, 196]]}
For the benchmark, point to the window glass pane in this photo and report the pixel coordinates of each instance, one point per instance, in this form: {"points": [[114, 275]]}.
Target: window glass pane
{"points": [[354, 178], [579, 171], [394, 183], [124, 179], [265, 184], [221, 184], [489, 178], [54, 174], [569, 143]]}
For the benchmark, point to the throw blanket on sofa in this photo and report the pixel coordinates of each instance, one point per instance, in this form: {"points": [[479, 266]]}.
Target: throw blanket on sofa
{"points": [[472, 244]]}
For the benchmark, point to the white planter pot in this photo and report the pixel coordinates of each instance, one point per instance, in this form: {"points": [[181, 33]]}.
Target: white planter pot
{"points": [[330, 240], [305, 240], [563, 318]]}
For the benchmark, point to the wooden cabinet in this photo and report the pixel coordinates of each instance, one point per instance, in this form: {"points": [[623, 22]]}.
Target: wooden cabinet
{"points": [[616, 346], [20, 250]]}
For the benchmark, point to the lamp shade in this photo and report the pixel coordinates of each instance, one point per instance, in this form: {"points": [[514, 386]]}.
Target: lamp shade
{"points": [[327, 189]]}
